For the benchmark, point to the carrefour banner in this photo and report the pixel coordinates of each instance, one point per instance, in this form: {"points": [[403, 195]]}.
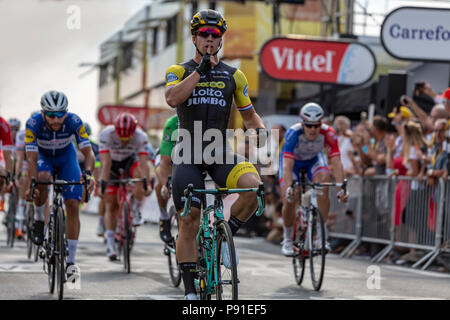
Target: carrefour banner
{"points": [[416, 33]]}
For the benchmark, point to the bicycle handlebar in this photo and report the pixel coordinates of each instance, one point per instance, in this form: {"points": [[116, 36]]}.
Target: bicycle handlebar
{"points": [[124, 181], [61, 183], [188, 192], [319, 185]]}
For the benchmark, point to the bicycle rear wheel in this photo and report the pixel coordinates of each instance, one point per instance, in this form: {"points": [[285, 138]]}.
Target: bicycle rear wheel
{"points": [[60, 252], [298, 260], [11, 220], [49, 255], [317, 250], [29, 214], [227, 279], [10, 230], [126, 237]]}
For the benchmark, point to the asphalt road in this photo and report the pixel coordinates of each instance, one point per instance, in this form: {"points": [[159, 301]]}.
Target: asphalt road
{"points": [[263, 272]]}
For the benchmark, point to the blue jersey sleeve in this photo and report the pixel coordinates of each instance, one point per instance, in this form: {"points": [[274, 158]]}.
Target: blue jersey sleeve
{"points": [[79, 131], [290, 142], [30, 135]]}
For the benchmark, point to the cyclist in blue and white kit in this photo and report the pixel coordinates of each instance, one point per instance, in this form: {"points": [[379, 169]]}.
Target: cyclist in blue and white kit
{"points": [[49, 150], [303, 148]]}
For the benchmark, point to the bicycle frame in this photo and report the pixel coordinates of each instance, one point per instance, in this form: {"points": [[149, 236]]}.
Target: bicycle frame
{"points": [[209, 233]]}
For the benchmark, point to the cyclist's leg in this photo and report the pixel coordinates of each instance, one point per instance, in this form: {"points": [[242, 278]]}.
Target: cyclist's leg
{"points": [[186, 249], [162, 171], [111, 211], [135, 172], [101, 218], [45, 172], [319, 172], [288, 209], [22, 187], [69, 170]]}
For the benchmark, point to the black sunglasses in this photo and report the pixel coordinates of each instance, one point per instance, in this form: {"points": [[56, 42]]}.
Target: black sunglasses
{"points": [[312, 125]]}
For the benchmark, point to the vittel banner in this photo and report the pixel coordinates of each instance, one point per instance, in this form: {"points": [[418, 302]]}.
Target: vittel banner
{"points": [[307, 60], [416, 33]]}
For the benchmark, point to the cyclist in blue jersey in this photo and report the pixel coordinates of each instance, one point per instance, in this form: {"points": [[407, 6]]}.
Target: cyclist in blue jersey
{"points": [[49, 150]]}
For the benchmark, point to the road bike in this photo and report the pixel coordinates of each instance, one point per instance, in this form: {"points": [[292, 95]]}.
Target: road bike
{"points": [[309, 235], [55, 243], [126, 232], [214, 232]]}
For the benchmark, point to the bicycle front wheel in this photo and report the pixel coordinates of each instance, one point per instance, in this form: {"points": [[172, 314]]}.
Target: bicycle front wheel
{"points": [[50, 256], [317, 251], [227, 278], [174, 267], [30, 220], [11, 226], [60, 252], [126, 237], [298, 260]]}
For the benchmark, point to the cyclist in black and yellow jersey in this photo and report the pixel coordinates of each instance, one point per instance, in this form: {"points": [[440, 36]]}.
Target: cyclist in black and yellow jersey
{"points": [[202, 91]]}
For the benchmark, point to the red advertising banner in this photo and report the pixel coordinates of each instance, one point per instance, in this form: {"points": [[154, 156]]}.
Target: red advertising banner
{"points": [[107, 113], [306, 60]]}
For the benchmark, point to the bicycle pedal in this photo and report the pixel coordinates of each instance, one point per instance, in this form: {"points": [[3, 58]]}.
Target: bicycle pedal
{"points": [[166, 251]]}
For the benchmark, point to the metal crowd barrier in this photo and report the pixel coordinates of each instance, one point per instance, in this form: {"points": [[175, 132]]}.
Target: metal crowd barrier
{"points": [[395, 212]]}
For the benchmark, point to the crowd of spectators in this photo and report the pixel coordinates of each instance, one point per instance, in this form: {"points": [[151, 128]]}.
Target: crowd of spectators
{"points": [[409, 141]]}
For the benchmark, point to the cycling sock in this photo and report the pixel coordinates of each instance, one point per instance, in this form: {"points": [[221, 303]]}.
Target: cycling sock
{"points": [[287, 232], [18, 224], [235, 224], [72, 244], [110, 238], [189, 273], [39, 212], [20, 209], [163, 214]]}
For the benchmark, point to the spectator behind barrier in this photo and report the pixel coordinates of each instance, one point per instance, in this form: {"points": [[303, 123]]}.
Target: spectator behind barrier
{"points": [[424, 96], [375, 150], [342, 128]]}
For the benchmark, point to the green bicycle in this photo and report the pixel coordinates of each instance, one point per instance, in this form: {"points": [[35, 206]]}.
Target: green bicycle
{"points": [[213, 276]]}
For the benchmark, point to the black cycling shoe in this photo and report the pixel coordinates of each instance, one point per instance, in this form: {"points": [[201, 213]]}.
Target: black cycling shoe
{"points": [[164, 231], [38, 232]]}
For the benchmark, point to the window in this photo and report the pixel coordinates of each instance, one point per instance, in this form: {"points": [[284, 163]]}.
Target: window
{"points": [[103, 74], [155, 41], [171, 31], [127, 55]]}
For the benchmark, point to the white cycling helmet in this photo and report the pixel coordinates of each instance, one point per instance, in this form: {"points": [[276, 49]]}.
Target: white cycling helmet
{"points": [[54, 101], [311, 113], [14, 123]]}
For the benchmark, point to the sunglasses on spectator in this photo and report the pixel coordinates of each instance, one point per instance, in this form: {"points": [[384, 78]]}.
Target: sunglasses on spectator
{"points": [[55, 114], [205, 32], [315, 126]]}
